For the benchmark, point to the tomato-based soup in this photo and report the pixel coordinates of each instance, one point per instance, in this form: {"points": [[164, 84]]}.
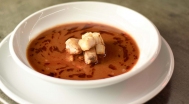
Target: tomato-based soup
{"points": [[46, 53]]}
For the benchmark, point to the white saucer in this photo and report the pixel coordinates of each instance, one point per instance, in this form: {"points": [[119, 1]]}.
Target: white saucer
{"points": [[24, 88]]}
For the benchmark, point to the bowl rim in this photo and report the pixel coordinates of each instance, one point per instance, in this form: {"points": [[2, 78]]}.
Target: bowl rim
{"points": [[116, 79]]}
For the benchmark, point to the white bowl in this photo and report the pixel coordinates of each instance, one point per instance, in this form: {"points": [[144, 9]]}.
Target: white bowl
{"points": [[140, 28]]}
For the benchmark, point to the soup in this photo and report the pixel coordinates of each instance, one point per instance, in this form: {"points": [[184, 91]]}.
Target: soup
{"points": [[47, 52]]}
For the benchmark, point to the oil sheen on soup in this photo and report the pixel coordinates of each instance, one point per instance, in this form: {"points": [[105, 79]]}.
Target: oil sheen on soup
{"points": [[46, 53]]}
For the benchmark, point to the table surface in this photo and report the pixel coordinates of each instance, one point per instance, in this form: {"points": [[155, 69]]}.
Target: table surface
{"points": [[171, 17]]}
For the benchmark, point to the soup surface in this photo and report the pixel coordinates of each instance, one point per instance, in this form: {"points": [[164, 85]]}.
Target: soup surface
{"points": [[46, 53]]}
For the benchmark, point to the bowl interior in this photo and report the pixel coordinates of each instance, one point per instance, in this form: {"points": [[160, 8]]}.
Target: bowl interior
{"points": [[136, 25]]}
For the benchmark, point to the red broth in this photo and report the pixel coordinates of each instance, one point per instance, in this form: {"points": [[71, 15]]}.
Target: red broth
{"points": [[47, 55]]}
